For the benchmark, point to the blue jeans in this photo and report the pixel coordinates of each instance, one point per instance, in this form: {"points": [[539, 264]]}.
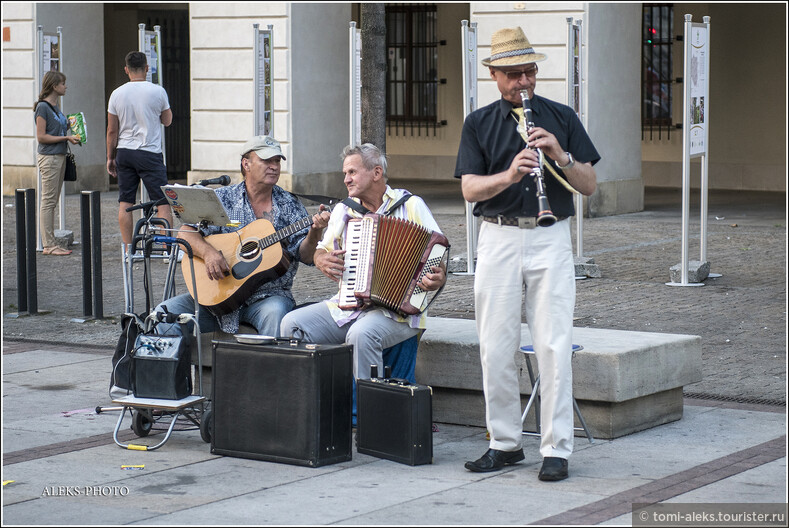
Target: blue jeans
{"points": [[265, 315]]}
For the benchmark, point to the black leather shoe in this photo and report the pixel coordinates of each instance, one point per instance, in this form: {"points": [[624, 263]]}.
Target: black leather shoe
{"points": [[553, 468], [494, 460]]}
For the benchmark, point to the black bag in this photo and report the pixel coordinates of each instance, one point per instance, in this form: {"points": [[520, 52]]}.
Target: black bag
{"points": [[120, 379], [395, 420], [161, 366], [71, 167]]}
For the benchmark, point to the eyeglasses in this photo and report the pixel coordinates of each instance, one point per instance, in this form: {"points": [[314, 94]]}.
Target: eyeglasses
{"points": [[515, 75]]}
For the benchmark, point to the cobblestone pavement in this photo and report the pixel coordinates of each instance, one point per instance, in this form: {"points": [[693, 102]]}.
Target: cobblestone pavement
{"points": [[741, 315]]}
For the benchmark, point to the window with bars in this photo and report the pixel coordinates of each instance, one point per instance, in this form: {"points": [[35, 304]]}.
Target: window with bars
{"points": [[656, 69], [412, 68]]}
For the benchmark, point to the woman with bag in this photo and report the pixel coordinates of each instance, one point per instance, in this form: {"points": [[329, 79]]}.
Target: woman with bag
{"points": [[51, 130]]}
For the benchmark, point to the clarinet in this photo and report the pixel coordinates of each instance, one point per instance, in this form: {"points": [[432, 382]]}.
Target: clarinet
{"points": [[545, 217]]}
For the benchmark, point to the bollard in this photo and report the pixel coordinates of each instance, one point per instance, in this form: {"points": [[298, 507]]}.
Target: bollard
{"points": [[21, 252], [31, 239], [90, 223], [95, 237], [87, 292]]}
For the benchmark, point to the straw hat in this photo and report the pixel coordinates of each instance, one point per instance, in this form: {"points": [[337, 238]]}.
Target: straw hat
{"points": [[510, 47]]}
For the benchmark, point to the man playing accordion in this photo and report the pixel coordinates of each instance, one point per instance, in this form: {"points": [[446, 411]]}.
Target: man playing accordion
{"points": [[370, 328]]}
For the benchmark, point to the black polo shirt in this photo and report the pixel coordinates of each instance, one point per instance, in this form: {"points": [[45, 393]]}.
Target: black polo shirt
{"points": [[490, 141]]}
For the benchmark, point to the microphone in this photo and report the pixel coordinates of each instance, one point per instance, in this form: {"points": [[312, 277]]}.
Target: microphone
{"points": [[221, 180]]}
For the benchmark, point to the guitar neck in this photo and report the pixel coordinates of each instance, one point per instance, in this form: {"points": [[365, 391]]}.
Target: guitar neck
{"points": [[285, 232]]}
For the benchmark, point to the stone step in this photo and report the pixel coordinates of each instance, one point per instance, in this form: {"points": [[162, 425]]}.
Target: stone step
{"points": [[623, 381]]}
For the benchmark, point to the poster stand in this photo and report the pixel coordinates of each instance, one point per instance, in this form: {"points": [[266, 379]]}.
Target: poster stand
{"points": [[263, 109], [355, 58], [150, 43], [50, 57], [584, 266], [695, 141], [470, 102]]}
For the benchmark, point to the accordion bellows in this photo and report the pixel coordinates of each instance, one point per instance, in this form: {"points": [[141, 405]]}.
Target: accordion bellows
{"points": [[385, 258]]}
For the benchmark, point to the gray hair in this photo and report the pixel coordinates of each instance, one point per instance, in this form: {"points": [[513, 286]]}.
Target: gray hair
{"points": [[371, 155]]}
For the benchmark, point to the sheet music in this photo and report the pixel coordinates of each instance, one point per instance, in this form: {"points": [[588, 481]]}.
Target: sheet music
{"points": [[196, 204]]}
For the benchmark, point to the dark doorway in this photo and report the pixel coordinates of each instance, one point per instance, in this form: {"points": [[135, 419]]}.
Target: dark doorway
{"points": [[120, 36]]}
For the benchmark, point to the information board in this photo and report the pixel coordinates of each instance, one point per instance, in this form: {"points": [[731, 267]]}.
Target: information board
{"points": [[698, 89], [264, 105]]}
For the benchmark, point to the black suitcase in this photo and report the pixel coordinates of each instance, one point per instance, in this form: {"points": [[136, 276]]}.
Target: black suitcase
{"points": [[282, 403], [395, 420]]}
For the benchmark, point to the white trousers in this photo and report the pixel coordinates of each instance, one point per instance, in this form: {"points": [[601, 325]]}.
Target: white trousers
{"points": [[541, 260]]}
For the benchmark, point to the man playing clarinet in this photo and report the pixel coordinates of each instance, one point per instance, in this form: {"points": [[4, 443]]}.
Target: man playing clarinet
{"points": [[498, 156]]}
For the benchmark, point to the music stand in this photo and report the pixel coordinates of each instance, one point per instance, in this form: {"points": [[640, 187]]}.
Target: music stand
{"points": [[196, 205]]}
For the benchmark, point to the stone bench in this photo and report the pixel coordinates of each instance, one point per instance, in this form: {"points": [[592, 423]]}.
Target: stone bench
{"points": [[624, 382]]}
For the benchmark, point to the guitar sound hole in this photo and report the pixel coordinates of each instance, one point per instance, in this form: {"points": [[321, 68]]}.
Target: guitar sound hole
{"points": [[249, 250]]}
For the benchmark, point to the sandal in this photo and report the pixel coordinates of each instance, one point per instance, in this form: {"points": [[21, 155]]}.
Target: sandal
{"points": [[56, 250]]}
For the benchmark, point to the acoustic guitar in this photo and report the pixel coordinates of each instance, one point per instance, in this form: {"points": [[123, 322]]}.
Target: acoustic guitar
{"points": [[254, 256]]}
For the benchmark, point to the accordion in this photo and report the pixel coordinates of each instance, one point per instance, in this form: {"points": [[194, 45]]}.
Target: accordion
{"points": [[385, 258]]}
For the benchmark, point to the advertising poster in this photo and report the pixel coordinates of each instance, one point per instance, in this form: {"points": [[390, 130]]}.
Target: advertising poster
{"points": [[151, 47], [698, 90], [50, 54], [265, 106]]}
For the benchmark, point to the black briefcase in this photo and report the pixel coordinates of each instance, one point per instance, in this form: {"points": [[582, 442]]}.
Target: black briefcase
{"points": [[395, 420], [281, 402]]}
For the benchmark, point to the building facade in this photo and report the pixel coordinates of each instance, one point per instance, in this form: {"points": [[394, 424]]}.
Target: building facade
{"points": [[209, 64]]}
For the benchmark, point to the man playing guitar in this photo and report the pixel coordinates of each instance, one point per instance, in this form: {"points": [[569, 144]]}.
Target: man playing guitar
{"points": [[257, 197]]}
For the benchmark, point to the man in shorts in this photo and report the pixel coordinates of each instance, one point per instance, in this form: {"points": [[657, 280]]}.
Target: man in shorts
{"points": [[135, 114]]}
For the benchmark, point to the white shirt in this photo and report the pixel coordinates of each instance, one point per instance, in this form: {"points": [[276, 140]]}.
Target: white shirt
{"points": [[139, 106], [415, 210]]}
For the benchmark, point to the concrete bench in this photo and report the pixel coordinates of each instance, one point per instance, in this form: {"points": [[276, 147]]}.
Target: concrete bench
{"points": [[623, 381]]}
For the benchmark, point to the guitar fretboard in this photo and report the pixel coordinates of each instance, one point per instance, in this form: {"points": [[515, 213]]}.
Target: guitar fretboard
{"points": [[285, 232]]}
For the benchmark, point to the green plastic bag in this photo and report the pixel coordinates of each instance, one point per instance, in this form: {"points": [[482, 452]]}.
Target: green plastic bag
{"points": [[78, 127]]}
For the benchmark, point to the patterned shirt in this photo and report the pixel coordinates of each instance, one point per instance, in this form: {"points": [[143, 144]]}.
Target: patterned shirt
{"points": [[414, 210], [286, 210]]}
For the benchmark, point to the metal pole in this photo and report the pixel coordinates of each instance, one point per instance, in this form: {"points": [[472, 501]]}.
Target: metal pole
{"points": [[705, 157], [141, 37], [62, 205], [141, 46], [686, 119], [469, 71], [87, 291], [21, 252], [40, 69], [32, 272], [686, 122], [582, 115], [95, 232], [160, 75]]}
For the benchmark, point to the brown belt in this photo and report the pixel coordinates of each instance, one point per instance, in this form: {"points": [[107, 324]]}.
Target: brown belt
{"points": [[524, 222]]}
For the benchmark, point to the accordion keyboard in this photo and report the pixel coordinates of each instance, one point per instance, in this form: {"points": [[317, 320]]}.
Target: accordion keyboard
{"points": [[356, 275]]}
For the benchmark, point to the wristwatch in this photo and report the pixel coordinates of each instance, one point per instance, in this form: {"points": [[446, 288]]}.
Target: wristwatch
{"points": [[569, 163]]}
